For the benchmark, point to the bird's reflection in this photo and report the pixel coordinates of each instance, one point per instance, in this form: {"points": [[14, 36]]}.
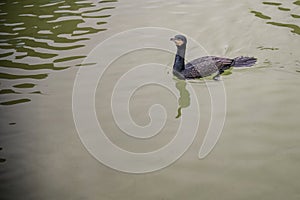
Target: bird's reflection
{"points": [[184, 100]]}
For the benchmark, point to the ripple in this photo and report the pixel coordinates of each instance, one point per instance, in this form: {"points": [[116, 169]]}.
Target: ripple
{"points": [[36, 92], [13, 24], [107, 1], [67, 12], [295, 16], [7, 34], [297, 3], [44, 32], [64, 6], [284, 9], [46, 16], [99, 23], [25, 66], [78, 32], [28, 6], [295, 28], [271, 3], [13, 102], [68, 59], [19, 28], [14, 76], [85, 64], [84, 3], [24, 85], [8, 91], [51, 4], [27, 15], [6, 54], [267, 48], [97, 16], [42, 43], [260, 15], [87, 30], [98, 10]]}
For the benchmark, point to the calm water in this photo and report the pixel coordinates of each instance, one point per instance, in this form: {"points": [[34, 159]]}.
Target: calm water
{"points": [[43, 44]]}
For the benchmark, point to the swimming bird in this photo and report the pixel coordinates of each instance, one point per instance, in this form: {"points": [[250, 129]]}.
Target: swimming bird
{"points": [[204, 66]]}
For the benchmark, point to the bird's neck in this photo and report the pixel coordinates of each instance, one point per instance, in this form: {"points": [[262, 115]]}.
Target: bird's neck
{"points": [[179, 59]]}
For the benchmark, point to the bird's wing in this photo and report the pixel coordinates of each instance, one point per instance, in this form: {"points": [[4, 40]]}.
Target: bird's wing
{"points": [[205, 65], [209, 64], [222, 63]]}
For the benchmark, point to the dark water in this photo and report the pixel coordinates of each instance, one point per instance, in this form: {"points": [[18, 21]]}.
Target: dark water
{"points": [[43, 43]]}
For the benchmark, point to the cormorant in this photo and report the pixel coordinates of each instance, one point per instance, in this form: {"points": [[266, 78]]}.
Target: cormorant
{"points": [[204, 66]]}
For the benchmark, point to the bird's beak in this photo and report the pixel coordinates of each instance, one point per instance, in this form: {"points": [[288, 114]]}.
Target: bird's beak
{"points": [[172, 39]]}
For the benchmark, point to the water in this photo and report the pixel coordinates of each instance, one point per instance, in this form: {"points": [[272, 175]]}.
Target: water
{"points": [[43, 45]]}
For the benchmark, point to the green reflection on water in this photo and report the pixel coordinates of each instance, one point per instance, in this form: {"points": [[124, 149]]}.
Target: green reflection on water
{"points": [[13, 102], [36, 92], [100, 16], [85, 64], [284, 9], [271, 3], [13, 76], [8, 91], [6, 54], [260, 15], [12, 64], [295, 16], [68, 58], [227, 72], [87, 30], [24, 85], [267, 48], [297, 2], [295, 28], [98, 10], [33, 35], [107, 1]]}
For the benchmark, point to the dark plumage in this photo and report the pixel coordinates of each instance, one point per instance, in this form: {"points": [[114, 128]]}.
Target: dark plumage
{"points": [[204, 66]]}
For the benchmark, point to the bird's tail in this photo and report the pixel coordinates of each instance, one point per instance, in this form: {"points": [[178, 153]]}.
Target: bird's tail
{"points": [[243, 61]]}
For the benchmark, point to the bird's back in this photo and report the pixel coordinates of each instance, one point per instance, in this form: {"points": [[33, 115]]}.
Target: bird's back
{"points": [[205, 66]]}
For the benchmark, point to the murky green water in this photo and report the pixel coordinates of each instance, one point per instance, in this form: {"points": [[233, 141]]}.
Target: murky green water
{"points": [[43, 44]]}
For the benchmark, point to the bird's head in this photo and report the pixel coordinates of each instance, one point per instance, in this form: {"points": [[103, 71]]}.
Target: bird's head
{"points": [[179, 40]]}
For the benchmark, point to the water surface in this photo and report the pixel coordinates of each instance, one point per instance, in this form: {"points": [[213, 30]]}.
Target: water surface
{"points": [[44, 43]]}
